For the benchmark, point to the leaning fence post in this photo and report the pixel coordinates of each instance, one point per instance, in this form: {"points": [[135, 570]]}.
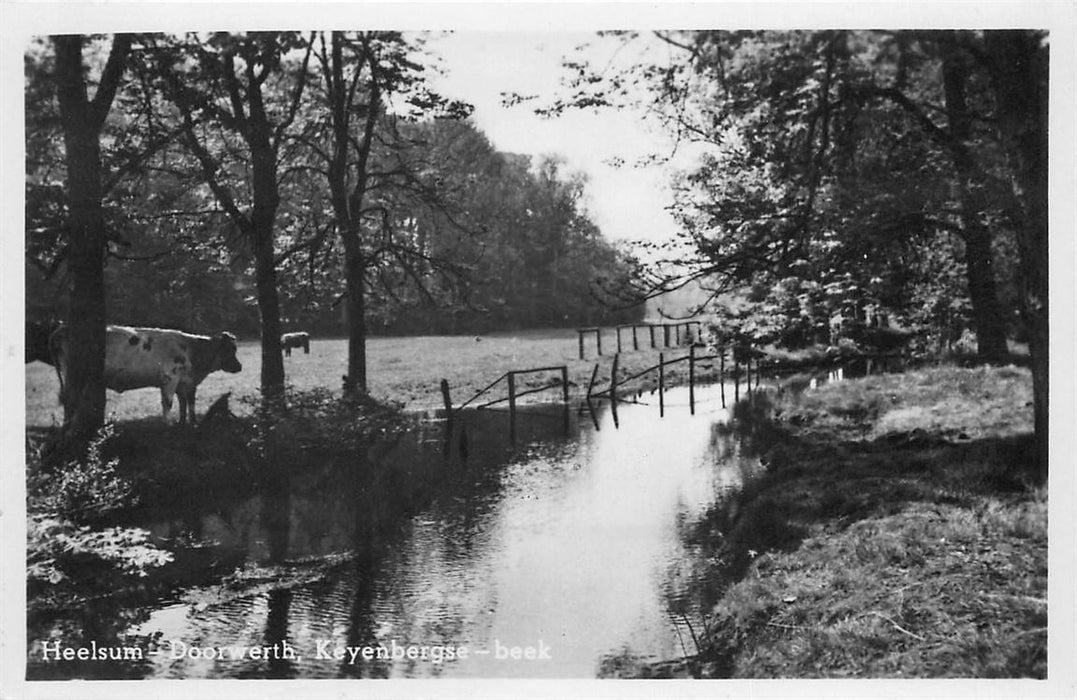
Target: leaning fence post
{"points": [[692, 379], [446, 399], [564, 382], [590, 386], [635, 340], [618, 339], [613, 378], [598, 339], [661, 385]]}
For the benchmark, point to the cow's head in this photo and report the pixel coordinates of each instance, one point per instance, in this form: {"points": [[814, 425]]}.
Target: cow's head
{"points": [[225, 351]]}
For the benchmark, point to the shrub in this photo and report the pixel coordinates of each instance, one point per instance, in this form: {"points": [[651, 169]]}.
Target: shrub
{"points": [[67, 557]]}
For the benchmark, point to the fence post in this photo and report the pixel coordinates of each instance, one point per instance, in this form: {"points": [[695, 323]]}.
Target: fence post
{"points": [[598, 339], [692, 379], [580, 333], [650, 328], [618, 341], [613, 391], [661, 385], [721, 371], [512, 406], [446, 399], [591, 384], [736, 376], [564, 382], [635, 339], [463, 440], [677, 328], [613, 378]]}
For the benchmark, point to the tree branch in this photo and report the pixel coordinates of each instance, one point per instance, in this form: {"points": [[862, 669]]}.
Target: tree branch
{"points": [[110, 79]]}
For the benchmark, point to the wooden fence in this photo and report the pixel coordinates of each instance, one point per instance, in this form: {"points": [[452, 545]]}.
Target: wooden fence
{"points": [[693, 360], [669, 331]]}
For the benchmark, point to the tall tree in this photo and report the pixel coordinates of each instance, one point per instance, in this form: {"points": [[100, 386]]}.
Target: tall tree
{"points": [[787, 116], [972, 195], [787, 122], [361, 74], [243, 85], [83, 119], [1017, 61]]}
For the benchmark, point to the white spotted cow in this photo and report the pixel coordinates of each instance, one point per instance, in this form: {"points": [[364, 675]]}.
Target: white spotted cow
{"points": [[299, 339], [176, 362]]}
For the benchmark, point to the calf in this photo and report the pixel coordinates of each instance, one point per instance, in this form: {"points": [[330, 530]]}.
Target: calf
{"points": [[137, 358], [299, 339]]}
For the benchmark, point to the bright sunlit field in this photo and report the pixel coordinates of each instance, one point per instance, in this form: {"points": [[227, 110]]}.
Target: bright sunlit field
{"points": [[403, 369]]}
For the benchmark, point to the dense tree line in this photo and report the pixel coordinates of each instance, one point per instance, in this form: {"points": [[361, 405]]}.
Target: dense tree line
{"points": [[273, 181], [855, 175]]}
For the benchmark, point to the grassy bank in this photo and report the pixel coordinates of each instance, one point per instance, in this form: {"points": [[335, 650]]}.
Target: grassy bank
{"points": [[406, 370], [84, 539], [899, 531]]}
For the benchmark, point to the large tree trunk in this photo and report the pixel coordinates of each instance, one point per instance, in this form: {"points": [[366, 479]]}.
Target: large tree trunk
{"points": [[1017, 62], [348, 205], [987, 313], [266, 201], [84, 390], [356, 281], [987, 317], [272, 377]]}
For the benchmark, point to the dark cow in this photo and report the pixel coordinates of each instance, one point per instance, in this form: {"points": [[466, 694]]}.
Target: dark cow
{"points": [[37, 341], [299, 339], [136, 358]]}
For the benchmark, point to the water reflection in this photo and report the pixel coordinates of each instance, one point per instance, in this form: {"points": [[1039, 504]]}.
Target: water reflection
{"points": [[568, 544]]}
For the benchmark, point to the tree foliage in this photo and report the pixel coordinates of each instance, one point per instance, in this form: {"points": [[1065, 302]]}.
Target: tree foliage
{"points": [[882, 171], [273, 181]]}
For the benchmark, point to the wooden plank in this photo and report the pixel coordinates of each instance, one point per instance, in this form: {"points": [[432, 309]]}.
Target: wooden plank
{"points": [[484, 390]]}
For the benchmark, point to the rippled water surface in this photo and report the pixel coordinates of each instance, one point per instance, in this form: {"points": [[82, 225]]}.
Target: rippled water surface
{"points": [[571, 541]]}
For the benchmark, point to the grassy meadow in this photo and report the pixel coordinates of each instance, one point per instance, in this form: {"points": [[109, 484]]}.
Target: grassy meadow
{"points": [[406, 370]]}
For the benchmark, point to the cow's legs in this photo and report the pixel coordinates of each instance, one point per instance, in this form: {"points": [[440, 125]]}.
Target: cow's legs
{"points": [[166, 404], [186, 406], [306, 347], [168, 390], [287, 350]]}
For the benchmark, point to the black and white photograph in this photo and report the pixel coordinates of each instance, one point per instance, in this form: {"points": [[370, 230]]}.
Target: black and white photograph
{"points": [[509, 349]]}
